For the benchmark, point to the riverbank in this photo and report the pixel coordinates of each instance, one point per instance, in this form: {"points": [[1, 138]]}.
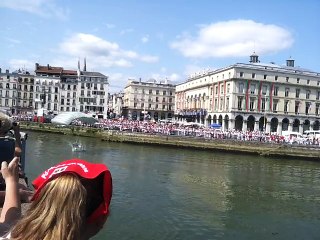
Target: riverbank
{"points": [[221, 145]]}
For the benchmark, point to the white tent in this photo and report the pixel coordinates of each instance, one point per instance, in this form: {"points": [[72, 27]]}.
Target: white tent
{"points": [[66, 118]]}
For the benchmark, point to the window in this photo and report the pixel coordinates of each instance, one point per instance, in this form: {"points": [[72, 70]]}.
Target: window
{"points": [[265, 76], [216, 90], [318, 95], [241, 74], [298, 80], [296, 107], [164, 93], [276, 78], [286, 107], [308, 81], [297, 93], [252, 88], [251, 105], [308, 108], [253, 75], [221, 104], [221, 88], [240, 102], [318, 83], [317, 109], [275, 91], [157, 99], [150, 91], [227, 104], [228, 88], [275, 105], [308, 94], [157, 91], [264, 104], [241, 87], [286, 93], [264, 90]]}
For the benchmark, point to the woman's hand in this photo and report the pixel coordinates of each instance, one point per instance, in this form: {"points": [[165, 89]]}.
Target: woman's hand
{"points": [[10, 172]]}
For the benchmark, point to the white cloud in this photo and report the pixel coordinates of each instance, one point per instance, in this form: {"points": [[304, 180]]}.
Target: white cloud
{"points": [[117, 81], [234, 38], [44, 8], [145, 39], [101, 53], [13, 41], [174, 77], [110, 25], [16, 64], [125, 31]]}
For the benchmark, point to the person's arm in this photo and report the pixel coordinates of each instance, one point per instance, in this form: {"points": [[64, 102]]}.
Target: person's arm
{"points": [[17, 136], [11, 210]]}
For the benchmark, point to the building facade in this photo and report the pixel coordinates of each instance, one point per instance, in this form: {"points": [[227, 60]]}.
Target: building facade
{"points": [[116, 104], [16, 91], [253, 96], [54, 90], [148, 100]]}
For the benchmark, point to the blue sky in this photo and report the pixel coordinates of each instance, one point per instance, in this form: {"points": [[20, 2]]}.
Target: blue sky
{"points": [[157, 39]]}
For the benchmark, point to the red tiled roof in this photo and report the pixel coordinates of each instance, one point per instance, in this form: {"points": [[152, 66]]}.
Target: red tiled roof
{"points": [[49, 69], [69, 72]]}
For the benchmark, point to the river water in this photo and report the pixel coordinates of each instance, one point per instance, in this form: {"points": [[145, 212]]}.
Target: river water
{"points": [[167, 193]]}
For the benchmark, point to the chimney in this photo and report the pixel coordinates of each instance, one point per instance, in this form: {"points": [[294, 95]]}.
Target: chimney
{"points": [[37, 66], [0, 70], [85, 65], [48, 66], [290, 62], [254, 58], [7, 71]]}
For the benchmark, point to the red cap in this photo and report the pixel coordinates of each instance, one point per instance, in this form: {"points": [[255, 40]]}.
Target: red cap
{"points": [[85, 170]]}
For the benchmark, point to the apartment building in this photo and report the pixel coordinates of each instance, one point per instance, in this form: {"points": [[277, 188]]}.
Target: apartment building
{"points": [[149, 100], [16, 91], [54, 90], [252, 96]]}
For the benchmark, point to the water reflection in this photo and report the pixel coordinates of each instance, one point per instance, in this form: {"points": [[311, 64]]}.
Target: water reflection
{"points": [[167, 193]]}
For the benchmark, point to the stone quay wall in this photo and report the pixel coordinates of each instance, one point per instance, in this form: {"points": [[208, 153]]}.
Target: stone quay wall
{"points": [[283, 151]]}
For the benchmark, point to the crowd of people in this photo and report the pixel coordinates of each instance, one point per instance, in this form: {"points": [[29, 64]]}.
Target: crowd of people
{"points": [[70, 200], [187, 130]]}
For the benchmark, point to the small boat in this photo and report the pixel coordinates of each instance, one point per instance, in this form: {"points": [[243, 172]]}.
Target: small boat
{"points": [[77, 147]]}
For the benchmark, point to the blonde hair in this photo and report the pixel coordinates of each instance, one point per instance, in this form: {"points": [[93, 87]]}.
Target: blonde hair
{"points": [[58, 212]]}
